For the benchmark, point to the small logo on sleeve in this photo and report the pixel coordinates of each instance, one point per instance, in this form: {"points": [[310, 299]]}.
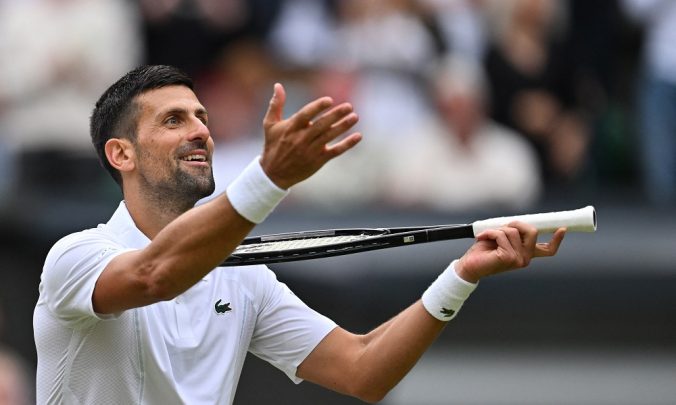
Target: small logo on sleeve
{"points": [[446, 312], [222, 308]]}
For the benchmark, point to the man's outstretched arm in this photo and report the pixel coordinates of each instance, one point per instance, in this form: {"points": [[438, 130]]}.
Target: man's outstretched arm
{"points": [[369, 366]]}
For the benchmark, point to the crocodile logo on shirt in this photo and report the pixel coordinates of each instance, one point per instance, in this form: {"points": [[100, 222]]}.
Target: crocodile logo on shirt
{"points": [[222, 308]]}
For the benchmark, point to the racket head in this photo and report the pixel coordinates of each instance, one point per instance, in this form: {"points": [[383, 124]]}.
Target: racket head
{"points": [[290, 246]]}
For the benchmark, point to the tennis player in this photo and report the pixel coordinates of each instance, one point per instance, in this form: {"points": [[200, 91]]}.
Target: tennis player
{"points": [[136, 311]]}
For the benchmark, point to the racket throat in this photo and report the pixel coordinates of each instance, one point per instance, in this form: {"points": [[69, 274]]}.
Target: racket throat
{"points": [[448, 233]]}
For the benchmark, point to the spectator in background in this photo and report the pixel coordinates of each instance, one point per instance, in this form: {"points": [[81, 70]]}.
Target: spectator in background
{"points": [[302, 35], [369, 64], [461, 25], [657, 97], [533, 82], [464, 161], [388, 46], [191, 34], [459, 160], [15, 386], [7, 170], [57, 57], [601, 46]]}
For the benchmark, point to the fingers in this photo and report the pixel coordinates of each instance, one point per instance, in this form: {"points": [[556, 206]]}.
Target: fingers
{"points": [[327, 124], [550, 249], [275, 110], [333, 123], [304, 116], [506, 248], [343, 146], [500, 244], [528, 235], [523, 239], [327, 127], [495, 235], [516, 243]]}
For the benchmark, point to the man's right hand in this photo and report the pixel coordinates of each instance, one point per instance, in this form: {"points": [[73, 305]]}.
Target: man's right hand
{"points": [[295, 148]]}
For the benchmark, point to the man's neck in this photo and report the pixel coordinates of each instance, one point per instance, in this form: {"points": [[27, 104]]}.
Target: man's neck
{"points": [[151, 215]]}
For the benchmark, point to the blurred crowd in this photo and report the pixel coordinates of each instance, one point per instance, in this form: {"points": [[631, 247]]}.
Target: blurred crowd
{"points": [[464, 104]]}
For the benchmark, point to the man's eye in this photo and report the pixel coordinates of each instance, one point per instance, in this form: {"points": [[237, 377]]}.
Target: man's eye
{"points": [[171, 121]]}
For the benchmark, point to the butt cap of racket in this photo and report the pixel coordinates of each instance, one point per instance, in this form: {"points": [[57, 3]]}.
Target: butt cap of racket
{"points": [[579, 220]]}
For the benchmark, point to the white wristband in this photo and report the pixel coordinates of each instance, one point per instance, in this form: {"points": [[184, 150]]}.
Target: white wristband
{"points": [[253, 195], [445, 296]]}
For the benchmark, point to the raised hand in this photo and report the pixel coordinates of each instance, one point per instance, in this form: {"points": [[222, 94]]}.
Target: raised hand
{"points": [[295, 148], [507, 248]]}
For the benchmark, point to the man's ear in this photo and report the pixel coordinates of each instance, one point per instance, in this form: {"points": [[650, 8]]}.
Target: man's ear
{"points": [[121, 154]]}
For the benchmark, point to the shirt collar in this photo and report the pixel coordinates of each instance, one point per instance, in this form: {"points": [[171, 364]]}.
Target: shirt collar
{"points": [[123, 226]]}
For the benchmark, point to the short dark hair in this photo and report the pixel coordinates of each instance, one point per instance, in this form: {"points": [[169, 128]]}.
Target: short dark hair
{"points": [[116, 112]]}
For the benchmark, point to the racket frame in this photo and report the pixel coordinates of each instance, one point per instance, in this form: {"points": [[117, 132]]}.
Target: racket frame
{"points": [[579, 220], [376, 238]]}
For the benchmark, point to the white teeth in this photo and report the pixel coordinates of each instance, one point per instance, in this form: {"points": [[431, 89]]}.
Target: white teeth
{"points": [[199, 158]]}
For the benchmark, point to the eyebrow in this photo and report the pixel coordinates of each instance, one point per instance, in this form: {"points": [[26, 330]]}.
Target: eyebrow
{"points": [[200, 111]]}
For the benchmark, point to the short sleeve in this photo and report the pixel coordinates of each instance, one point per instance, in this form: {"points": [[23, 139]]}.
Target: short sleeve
{"points": [[70, 273], [286, 330]]}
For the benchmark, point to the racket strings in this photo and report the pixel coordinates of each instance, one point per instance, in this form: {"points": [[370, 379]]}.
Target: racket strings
{"points": [[305, 243]]}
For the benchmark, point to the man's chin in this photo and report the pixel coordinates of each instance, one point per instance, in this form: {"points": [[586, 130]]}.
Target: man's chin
{"points": [[197, 187], [207, 192], [209, 186], [203, 187]]}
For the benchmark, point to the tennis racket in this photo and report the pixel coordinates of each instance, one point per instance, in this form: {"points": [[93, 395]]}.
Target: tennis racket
{"points": [[295, 246]]}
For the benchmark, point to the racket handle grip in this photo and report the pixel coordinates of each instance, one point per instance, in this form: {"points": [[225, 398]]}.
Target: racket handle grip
{"points": [[579, 220]]}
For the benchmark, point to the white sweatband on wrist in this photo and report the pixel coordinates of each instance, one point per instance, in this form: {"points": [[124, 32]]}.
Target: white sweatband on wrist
{"points": [[445, 296], [253, 195]]}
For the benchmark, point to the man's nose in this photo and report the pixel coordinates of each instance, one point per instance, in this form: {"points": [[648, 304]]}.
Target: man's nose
{"points": [[199, 131]]}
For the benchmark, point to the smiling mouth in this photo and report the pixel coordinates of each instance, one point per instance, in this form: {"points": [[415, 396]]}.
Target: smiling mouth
{"points": [[194, 158]]}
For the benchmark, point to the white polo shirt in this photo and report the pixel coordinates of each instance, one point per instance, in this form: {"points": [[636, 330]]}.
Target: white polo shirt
{"points": [[188, 350]]}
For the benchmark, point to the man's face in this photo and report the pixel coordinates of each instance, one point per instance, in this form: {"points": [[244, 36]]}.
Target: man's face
{"points": [[173, 145]]}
